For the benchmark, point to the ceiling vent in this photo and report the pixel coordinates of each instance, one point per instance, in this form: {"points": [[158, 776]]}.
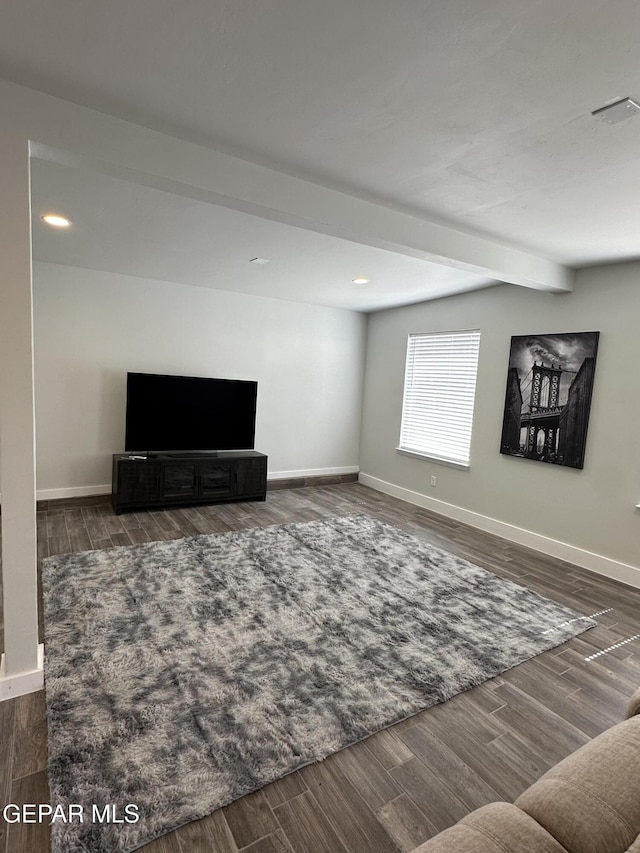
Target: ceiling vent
{"points": [[618, 111]]}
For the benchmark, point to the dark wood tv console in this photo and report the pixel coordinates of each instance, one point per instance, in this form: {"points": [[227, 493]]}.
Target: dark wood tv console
{"points": [[175, 479]]}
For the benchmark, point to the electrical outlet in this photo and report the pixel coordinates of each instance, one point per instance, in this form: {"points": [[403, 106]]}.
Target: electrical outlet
{"points": [[434, 480]]}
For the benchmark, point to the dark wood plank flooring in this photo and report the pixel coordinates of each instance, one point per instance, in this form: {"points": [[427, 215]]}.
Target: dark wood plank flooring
{"points": [[402, 785]]}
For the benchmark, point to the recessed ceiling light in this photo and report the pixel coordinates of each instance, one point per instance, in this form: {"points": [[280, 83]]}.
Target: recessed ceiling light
{"points": [[56, 220], [259, 261], [360, 280]]}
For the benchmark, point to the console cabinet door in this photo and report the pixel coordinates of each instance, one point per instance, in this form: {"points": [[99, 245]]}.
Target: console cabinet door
{"points": [[250, 477], [138, 482], [215, 478], [179, 480]]}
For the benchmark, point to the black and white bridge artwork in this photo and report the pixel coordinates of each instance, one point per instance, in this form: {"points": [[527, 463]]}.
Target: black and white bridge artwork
{"points": [[548, 397]]}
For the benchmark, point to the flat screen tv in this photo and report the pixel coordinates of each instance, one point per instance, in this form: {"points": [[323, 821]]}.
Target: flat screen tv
{"points": [[189, 413]]}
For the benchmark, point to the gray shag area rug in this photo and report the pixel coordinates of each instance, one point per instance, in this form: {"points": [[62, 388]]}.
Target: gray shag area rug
{"points": [[181, 675]]}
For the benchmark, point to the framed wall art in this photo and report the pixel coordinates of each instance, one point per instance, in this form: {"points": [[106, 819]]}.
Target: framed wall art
{"points": [[548, 397]]}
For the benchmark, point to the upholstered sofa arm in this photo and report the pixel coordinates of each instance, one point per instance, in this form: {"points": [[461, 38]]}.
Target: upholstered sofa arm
{"points": [[590, 802], [634, 704], [495, 828]]}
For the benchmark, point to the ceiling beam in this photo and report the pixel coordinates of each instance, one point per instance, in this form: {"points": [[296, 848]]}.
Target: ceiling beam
{"points": [[81, 137]]}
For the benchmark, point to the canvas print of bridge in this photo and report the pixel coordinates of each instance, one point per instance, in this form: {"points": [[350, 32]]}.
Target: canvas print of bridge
{"points": [[549, 387]]}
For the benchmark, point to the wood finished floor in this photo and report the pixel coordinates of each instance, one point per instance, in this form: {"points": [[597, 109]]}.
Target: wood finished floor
{"points": [[402, 785]]}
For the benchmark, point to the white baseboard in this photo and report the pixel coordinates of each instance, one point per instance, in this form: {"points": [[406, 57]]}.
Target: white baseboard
{"points": [[105, 489], [552, 547], [73, 492], [23, 682], [312, 472]]}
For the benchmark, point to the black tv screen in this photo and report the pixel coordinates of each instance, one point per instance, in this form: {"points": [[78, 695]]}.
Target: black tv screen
{"points": [[189, 413]]}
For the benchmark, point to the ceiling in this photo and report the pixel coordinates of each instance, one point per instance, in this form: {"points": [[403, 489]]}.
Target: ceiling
{"points": [[135, 230], [474, 113]]}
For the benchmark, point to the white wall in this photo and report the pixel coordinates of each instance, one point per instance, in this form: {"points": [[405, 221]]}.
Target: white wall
{"points": [[93, 327], [591, 510]]}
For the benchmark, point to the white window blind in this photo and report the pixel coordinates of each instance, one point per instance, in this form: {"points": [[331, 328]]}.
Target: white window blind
{"points": [[439, 392]]}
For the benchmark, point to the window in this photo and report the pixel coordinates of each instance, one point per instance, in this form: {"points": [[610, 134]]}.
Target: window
{"points": [[439, 391]]}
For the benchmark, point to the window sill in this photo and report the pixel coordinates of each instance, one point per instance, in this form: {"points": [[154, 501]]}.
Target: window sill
{"points": [[460, 465]]}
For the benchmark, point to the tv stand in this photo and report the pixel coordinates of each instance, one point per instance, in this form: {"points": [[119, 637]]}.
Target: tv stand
{"points": [[165, 480]]}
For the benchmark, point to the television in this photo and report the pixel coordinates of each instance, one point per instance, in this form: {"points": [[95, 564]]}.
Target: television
{"points": [[189, 413]]}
